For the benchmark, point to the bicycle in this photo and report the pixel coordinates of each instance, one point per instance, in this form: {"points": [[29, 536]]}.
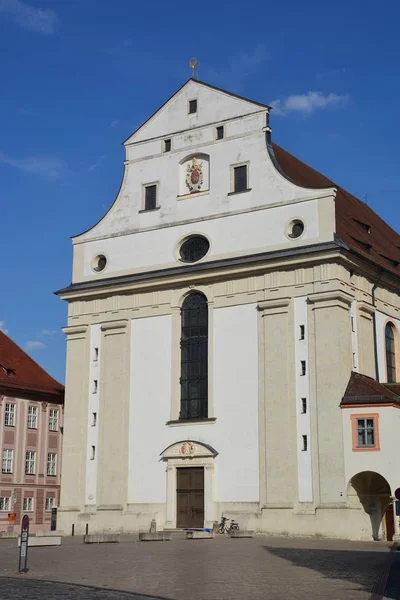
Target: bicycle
{"points": [[223, 527]]}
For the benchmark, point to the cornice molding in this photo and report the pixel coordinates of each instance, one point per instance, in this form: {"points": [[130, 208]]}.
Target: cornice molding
{"points": [[111, 325], [275, 306], [75, 331], [331, 298]]}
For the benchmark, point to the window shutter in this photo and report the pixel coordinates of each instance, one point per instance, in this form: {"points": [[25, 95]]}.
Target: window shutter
{"points": [[151, 197], [240, 178]]}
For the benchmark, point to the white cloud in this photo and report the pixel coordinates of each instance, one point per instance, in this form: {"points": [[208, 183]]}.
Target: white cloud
{"points": [[47, 167], [306, 103], [97, 163], [114, 123], [48, 332], [40, 20], [34, 345], [3, 327]]}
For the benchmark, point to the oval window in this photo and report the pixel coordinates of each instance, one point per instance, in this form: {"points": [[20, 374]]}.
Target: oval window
{"points": [[194, 248], [296, 229], [99, 263]]}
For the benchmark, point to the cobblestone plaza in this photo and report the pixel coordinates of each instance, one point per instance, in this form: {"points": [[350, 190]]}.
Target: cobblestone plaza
{"points": [[220, 569]]}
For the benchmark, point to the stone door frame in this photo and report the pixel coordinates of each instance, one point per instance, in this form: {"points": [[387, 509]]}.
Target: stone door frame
{"points": [[201, 456]]}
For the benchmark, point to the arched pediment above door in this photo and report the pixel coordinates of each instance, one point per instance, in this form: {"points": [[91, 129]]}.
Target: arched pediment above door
{"points": [[188, 449]]}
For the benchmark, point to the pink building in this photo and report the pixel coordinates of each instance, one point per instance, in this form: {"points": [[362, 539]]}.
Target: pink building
{"points": [[31, 420]]}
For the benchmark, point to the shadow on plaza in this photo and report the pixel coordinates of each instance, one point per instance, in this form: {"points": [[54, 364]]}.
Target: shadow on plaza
{"points": [[36, 589], [357, 567]]}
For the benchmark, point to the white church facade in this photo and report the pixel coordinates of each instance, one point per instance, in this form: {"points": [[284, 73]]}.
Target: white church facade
{"points": [[232, 339]]}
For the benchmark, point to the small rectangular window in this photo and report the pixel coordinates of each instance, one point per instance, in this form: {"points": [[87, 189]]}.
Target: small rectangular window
{"points": [[352, 324], [95, 386], [9, 417], [7, 464], [150, 197], [32, 417], [95, 354], [30, 463], [94, 419], [51, 463], [220, 132], [303, 368], [240, 179], [4, 503], [305, 443], [365, 433], [28, 505], [303, 406], [53, 419], [192, 106], [302, 332], [167, 145], [49, 504], [93, 453], [354, 360]]}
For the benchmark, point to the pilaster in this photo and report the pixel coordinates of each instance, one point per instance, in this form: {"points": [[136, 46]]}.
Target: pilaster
{"points": [[331, 350], [277, 406]]}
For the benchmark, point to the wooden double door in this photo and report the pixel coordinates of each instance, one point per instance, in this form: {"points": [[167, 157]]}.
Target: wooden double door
{"points": [[190, 497]]}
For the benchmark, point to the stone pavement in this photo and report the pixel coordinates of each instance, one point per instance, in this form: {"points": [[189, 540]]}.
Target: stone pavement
{"points": [[263, 568]]}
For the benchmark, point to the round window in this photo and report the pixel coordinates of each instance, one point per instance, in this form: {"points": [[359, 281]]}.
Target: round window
{"points": [[99, 263], [194, 248], [296, 229]]}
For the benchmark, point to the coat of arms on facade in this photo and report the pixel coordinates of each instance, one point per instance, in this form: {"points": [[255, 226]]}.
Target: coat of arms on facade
{"points": [[194, 175], [187, 449]]}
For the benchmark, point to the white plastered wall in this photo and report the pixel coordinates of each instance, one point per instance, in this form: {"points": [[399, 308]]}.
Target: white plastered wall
{"points": [[234, 434], [93, 407], [383, 461], [304, 473]]}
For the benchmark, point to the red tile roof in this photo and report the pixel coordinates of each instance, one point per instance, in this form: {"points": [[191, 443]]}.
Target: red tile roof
{"points": [[21, 375], [362, 389], [357, 225]]}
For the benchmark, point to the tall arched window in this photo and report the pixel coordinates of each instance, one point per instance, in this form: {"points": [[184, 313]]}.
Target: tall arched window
{"points": [[390, 353], [194, 357]]}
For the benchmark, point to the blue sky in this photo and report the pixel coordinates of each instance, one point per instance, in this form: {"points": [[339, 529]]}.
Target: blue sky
{"points": [[78, 76]]}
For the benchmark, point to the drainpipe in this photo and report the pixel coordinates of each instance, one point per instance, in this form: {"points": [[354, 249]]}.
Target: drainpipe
{"points": [[374, 326]]}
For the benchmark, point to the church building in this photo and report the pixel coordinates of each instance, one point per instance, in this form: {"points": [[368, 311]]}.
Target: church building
{"points": [[233, 339]]}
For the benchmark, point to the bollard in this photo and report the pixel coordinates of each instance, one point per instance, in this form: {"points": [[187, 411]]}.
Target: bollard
{"points": [[73, 529]]}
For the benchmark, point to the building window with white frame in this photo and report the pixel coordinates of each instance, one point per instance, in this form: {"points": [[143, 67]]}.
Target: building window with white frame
{"points": [[4, 504], [93, 452], [30, 462], [32, 417], [95, 386], [28, 505], [49, 504], [7, 464], [9, 415], [53, 419], [52, 463]]}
